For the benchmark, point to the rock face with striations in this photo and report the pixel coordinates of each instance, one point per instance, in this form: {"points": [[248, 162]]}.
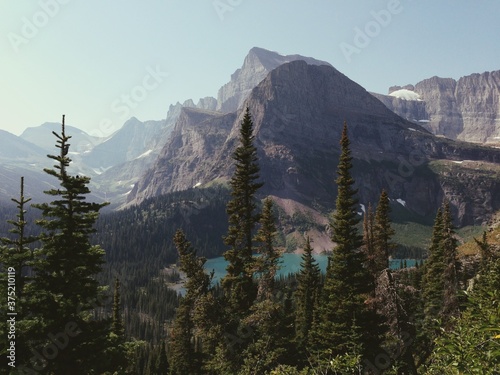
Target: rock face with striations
{"points": [[298, 111], [257, 65], [467, 109]]}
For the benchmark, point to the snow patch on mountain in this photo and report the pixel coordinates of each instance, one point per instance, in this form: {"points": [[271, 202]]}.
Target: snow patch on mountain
{"points": [[401, 202], [405, 94], [144, 154]]}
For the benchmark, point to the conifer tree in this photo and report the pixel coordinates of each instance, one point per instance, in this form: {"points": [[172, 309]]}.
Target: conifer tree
{"points": [[264, 319], [438, 293], [116, 348], [241, 209], [15, 259], [345, 322], [117, 324], [161, 365], [267, 264], [184, 355], [382, 233], [432, 282], [306, 295], [440, 282], [368, 240], [450, 244], [65, 291], [17, 254]]}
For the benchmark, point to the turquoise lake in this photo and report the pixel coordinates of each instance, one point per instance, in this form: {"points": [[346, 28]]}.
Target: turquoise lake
{"points": [[290, 263]]}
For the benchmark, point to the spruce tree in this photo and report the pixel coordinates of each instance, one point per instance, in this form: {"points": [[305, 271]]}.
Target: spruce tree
{"points": [[450, 276], [161, 365], [306, 296], [369, 241], [485, 249], [117, 324], [241, 209], [116, 348], [382, 233], [432, 286], [344, 321], [15, 259], [267, 264], [264, 319], [17, 253], [440, 282], [185, 357], [64, 289]]}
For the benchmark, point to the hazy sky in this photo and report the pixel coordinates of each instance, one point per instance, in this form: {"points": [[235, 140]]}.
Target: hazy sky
{"points": [[101, 62]]}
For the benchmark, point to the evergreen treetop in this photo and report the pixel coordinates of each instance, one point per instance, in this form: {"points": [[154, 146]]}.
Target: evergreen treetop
{"points": [[343, 322], [382, 234], [243, 217], [306, 295], [64, 289]]}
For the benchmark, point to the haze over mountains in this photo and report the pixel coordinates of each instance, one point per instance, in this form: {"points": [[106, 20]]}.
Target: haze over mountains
{"points": [[298, 106]]}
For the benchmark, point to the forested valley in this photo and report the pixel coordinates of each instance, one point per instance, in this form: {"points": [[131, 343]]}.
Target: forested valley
{"points": [[86, 302]]}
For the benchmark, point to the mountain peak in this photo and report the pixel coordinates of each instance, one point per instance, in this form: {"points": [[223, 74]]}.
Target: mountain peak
{"points": [[256, 66]]}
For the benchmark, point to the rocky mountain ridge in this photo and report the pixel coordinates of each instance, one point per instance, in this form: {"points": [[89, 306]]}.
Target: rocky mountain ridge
{"points": [[298, 108], [298, 111], [116, 162], [467, 109]]}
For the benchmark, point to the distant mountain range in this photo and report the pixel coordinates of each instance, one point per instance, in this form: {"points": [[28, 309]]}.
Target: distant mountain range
{"points": [[298, 105], [467, 109]]}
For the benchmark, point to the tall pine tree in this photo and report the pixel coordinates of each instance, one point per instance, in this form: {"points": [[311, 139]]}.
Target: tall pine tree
{"points": [[450, 276], [434, 269], [440, 281], [382, 234], [306, 296], [185, 358], [65, 291], [264, 318], [344, 320], [268, 262], [238, 283], [15, 258], [369, 241]]}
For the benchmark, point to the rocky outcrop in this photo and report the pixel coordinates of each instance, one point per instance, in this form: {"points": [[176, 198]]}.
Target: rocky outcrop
{"points": [[411, 110], [298, 111], [186, 159], [467, 109], [257, 65]]}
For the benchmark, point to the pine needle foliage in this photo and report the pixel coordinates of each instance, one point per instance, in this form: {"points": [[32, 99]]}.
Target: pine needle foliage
{"points": [[342, 312], [243, 217], [64, 289]]}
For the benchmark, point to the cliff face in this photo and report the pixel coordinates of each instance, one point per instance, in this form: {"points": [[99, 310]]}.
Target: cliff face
{"points": [[467, 109], [298, 112], [257, 65], [187, 157]]}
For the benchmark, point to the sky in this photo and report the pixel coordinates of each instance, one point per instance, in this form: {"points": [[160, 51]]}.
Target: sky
{"points": [[102, 62]]}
